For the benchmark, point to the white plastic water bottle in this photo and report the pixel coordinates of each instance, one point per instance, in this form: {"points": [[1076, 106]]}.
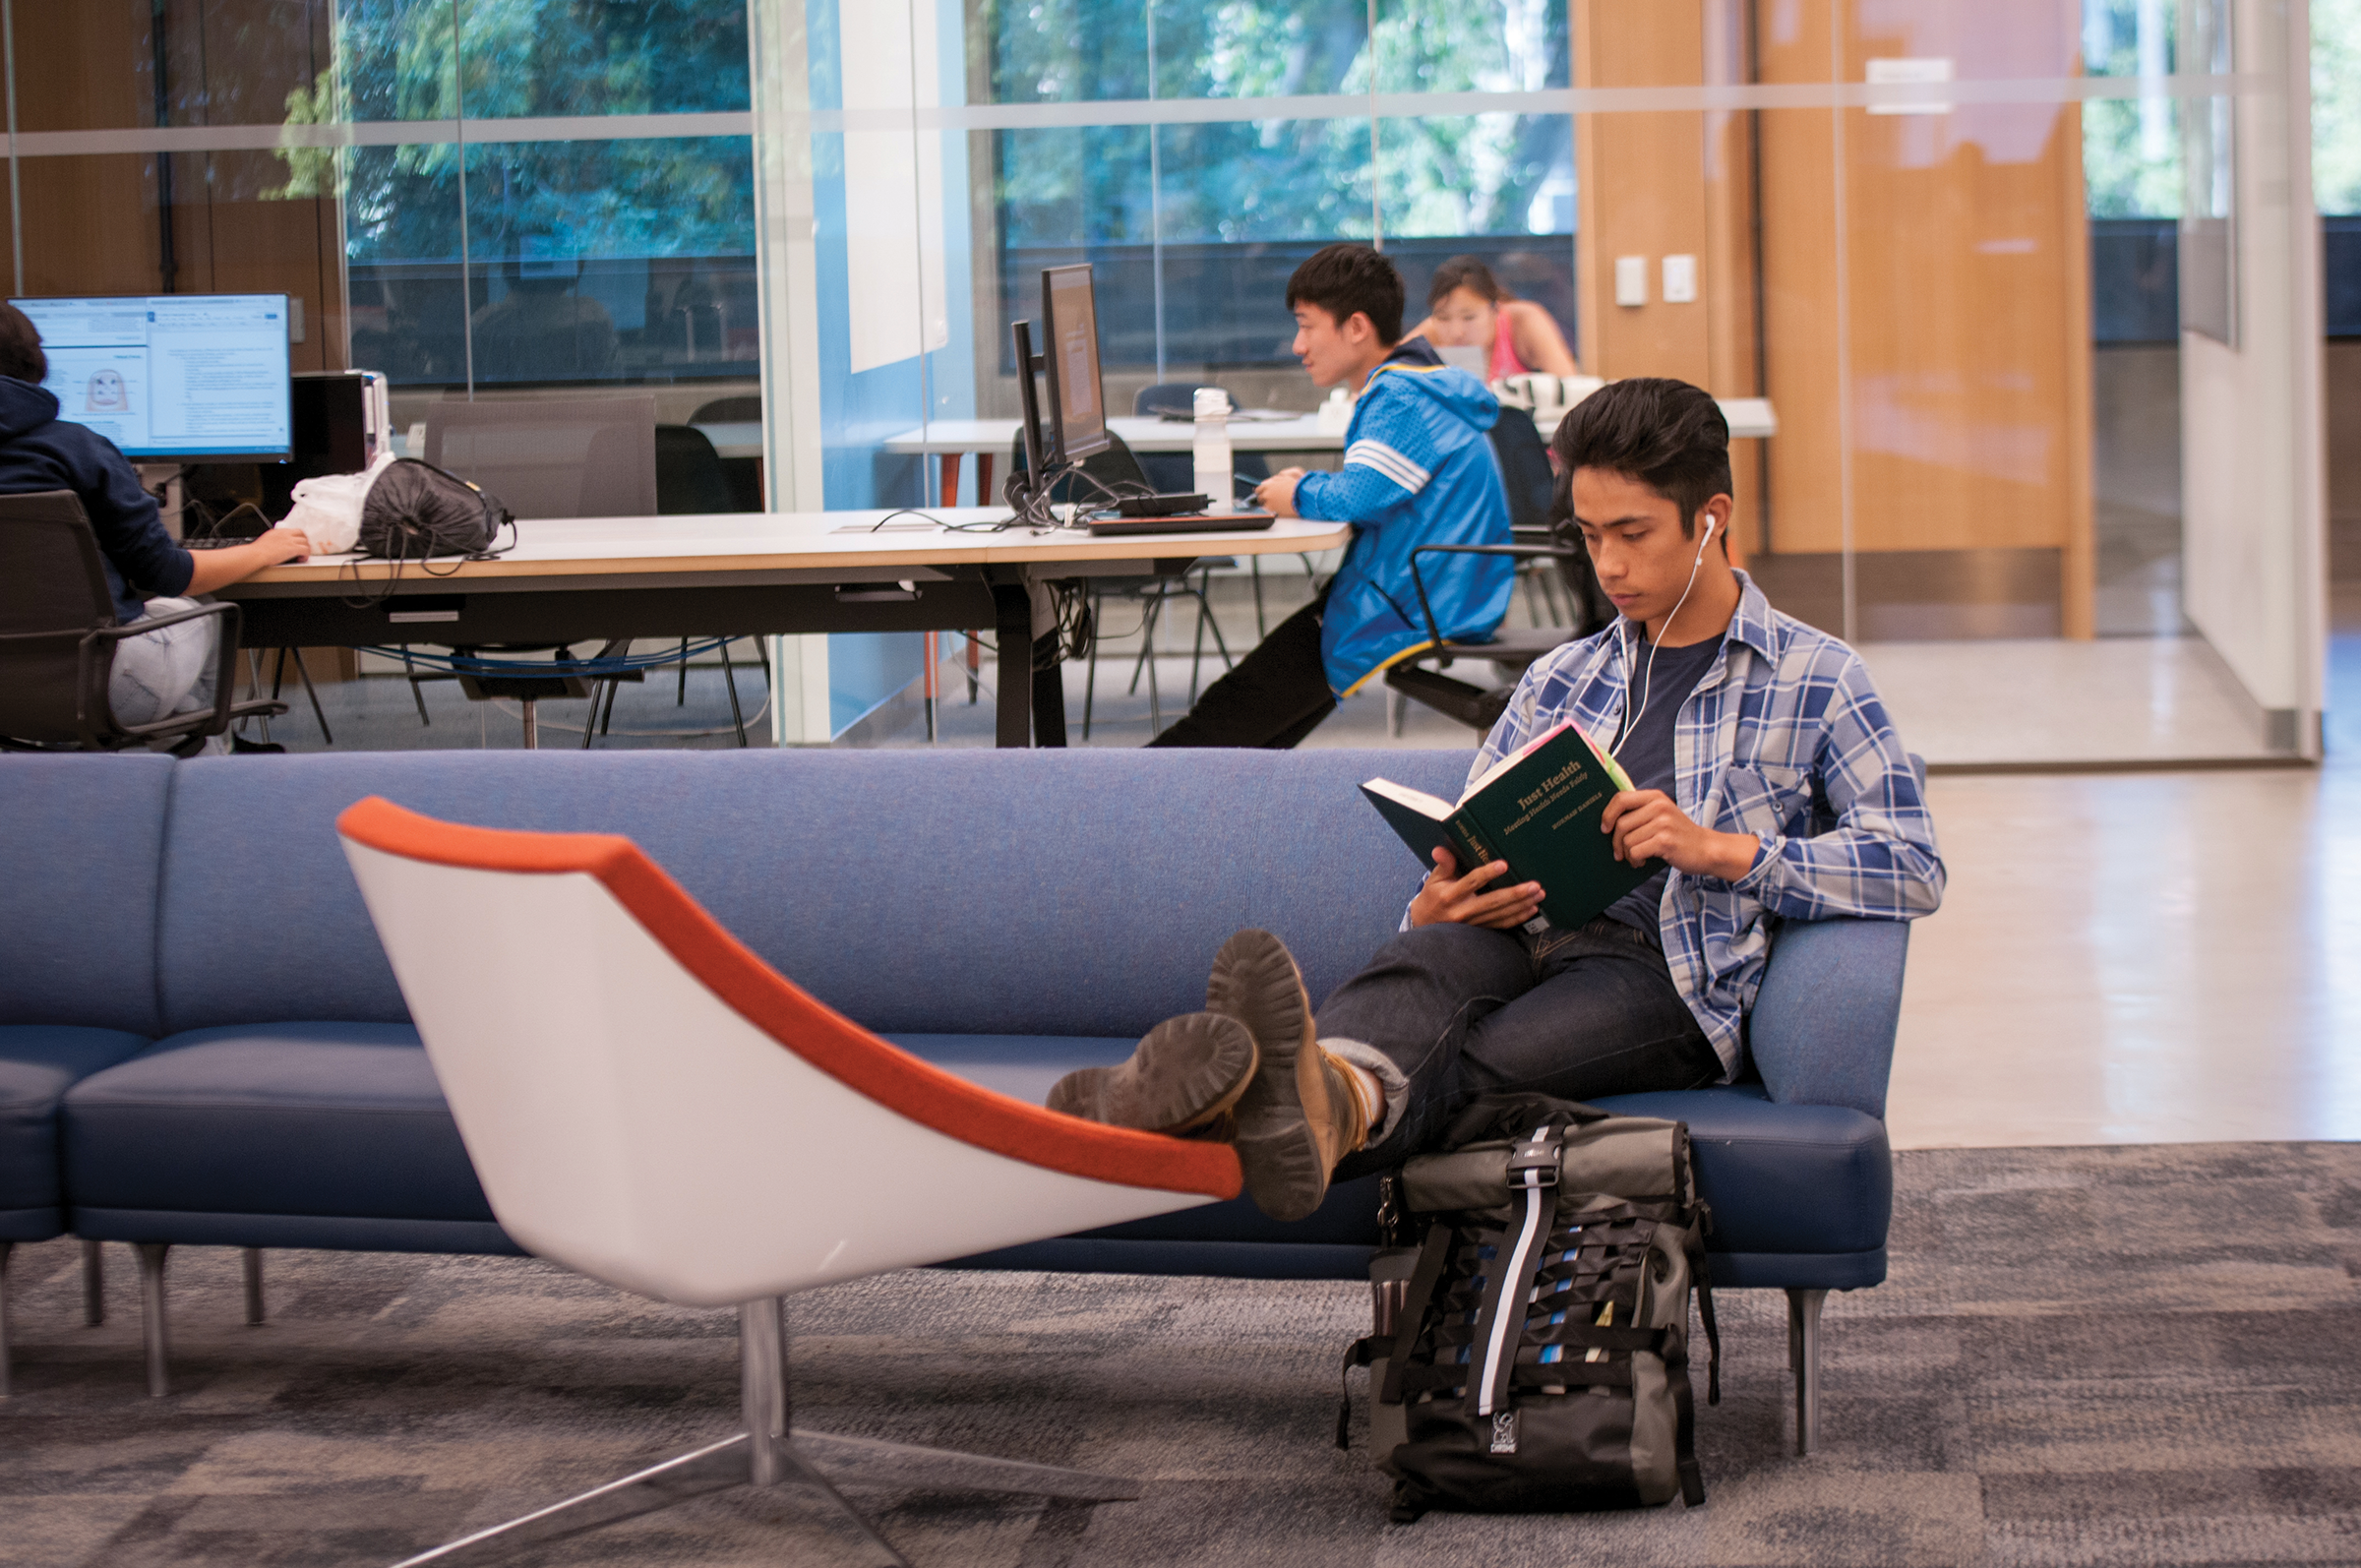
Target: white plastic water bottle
{"points": [[1212, 448]]}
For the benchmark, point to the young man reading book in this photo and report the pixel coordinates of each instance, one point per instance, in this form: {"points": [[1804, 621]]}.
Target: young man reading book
{"points": [[1768, 786], [1418, 470]]}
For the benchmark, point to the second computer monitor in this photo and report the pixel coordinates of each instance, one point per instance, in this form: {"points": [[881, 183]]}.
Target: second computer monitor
{"points": [[1077, 400]]}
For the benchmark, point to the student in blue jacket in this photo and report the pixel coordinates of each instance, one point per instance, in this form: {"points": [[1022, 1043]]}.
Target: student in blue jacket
{"points": [[1418, 470]]}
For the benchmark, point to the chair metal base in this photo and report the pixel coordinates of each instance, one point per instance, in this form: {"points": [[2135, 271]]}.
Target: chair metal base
{"points": [[766, 1454], [7, 1387], [1803, 1359], [154, 1326]]}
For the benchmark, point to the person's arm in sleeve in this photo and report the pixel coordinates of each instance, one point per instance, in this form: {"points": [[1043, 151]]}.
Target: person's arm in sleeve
{"points": [[130, 531], [1880, 861]]}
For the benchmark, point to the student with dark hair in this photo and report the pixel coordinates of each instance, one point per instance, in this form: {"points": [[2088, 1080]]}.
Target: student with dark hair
{"points": [[1466, 306], [167, 671], [1417, 470], [1769, 786]]}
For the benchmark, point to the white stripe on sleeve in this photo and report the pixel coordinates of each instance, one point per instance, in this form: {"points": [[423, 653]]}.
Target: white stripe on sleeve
{"points": [[1389, 462]]}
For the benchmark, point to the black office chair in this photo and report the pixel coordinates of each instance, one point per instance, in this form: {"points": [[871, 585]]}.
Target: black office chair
{"points": [[743, 474], [1529, 480], [1553, 547], [58, 635], [688, 473], [1116, 470]]}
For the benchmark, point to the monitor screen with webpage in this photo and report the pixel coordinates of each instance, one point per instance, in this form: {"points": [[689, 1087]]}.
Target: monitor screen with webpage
{"points": [[172, 376]]}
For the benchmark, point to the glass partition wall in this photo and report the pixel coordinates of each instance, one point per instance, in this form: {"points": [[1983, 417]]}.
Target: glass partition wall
{"points": [[2032, 287]]}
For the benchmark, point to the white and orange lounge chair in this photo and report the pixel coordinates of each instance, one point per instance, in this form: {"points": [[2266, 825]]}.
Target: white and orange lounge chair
{"points": [[649, 1102]]}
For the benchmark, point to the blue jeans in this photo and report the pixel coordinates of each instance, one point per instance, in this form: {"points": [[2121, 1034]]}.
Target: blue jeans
{"points": [[1461, 1011]]}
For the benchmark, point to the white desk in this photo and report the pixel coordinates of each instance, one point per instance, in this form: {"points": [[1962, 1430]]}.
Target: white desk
{"points": [[951, 440], [581, 580]]}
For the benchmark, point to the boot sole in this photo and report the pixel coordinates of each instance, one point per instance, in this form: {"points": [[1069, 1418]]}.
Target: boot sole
{"points": [[1186, 1073], [1255, 980]]}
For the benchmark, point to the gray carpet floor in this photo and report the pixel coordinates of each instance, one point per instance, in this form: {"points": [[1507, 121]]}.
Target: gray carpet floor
{"points": [[2128, 1356]]}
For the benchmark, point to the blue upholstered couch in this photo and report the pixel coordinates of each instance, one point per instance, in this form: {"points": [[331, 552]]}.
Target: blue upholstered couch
{"points": [[201, 1041]]}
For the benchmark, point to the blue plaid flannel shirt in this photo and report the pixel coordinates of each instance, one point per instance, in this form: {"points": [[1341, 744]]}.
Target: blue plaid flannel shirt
{"points": [[1784, 738]]}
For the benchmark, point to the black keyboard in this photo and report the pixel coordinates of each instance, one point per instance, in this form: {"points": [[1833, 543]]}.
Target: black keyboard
{"points": [[218, 543]]}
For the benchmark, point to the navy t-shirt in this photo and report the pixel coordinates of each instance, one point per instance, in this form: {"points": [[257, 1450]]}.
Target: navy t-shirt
{"points": [[1646, 751]]}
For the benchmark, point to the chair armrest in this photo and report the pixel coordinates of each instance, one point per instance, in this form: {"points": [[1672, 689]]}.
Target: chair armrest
{"points": [[1822, 1028], [1523, 552], [226, 672]]}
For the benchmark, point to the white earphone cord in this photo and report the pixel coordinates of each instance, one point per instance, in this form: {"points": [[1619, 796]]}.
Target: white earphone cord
{"points": [[1631, 721]]}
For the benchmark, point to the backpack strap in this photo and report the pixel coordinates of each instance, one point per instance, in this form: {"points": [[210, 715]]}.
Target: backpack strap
{"points": [[1684, 1429], [1533, 1168], [1412, 1313], [1700, 1275], [1361, 1352]]}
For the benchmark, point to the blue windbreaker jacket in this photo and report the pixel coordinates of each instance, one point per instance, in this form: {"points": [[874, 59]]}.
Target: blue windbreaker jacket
{"points": [[1418, 470]]}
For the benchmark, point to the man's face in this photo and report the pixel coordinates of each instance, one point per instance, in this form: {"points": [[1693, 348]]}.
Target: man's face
{"points": [[1331, 352], [1634, 536]]}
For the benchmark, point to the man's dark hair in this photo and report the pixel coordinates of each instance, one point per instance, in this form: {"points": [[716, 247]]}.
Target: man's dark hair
{"points": [[1348, 280], [1666, 434], [21, 353]]}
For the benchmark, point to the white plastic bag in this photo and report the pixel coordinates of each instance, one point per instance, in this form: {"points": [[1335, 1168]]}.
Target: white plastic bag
{"points": [[329, 509]]}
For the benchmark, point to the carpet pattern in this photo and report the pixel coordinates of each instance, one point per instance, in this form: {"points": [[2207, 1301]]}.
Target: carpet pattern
{"points": [[2123, 1356]]}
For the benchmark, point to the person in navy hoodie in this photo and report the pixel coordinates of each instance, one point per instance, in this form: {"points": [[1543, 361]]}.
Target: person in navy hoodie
{"points": [[168, 670], [1418, 470]]}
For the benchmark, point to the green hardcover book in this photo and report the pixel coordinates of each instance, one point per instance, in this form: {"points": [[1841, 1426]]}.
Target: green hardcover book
{"points": [[1536, 808]]}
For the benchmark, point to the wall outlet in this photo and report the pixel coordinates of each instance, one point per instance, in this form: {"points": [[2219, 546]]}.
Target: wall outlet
{"points": [[1631, 279], [1681, 280]]}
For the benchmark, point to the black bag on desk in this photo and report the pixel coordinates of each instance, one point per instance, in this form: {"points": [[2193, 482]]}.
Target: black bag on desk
{"points": [[1531, 1348], [415, 510]]}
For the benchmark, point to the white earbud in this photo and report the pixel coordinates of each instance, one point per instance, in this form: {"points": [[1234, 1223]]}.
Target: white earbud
{"points": [[1705, 539]]}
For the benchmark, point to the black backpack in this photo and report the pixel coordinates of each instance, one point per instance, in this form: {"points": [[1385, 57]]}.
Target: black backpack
{"points": [[415, 511], [1575, 1393]]}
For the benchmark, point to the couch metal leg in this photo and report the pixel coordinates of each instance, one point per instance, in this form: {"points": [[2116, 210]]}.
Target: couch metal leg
{"points": [[151, 1316], [94, 1285], [770, 1453], [250, 1260], [1803, 1359], [7, 1387]]}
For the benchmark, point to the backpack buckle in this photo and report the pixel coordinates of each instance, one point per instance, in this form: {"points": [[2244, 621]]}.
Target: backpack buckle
{"points": [[1538, 1161]]}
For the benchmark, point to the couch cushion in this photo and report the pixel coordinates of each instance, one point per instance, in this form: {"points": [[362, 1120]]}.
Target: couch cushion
{"points": [[38, 1063], [1086, 894], [1782, 1179], [78, 888], [335, 1120]]}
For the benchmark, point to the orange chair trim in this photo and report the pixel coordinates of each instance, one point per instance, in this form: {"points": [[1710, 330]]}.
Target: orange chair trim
{"points": [[814, 1031]]}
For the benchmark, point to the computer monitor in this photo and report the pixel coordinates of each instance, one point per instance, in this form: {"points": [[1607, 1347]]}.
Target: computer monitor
{"points": [[172, 377], [1033, 484], [1077, 400]]}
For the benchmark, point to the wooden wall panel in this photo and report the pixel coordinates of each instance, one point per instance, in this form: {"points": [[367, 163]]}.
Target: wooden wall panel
{"points": [[1965, 293], [91, 224], [1675, 183]]}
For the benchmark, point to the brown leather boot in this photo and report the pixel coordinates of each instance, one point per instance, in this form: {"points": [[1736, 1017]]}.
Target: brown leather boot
{"points": [[1301, 1113], [1186, 1075]]}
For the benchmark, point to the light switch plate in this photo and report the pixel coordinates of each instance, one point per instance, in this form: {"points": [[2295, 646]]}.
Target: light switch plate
{"points": [[1631, 279], [1681, 280]]}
